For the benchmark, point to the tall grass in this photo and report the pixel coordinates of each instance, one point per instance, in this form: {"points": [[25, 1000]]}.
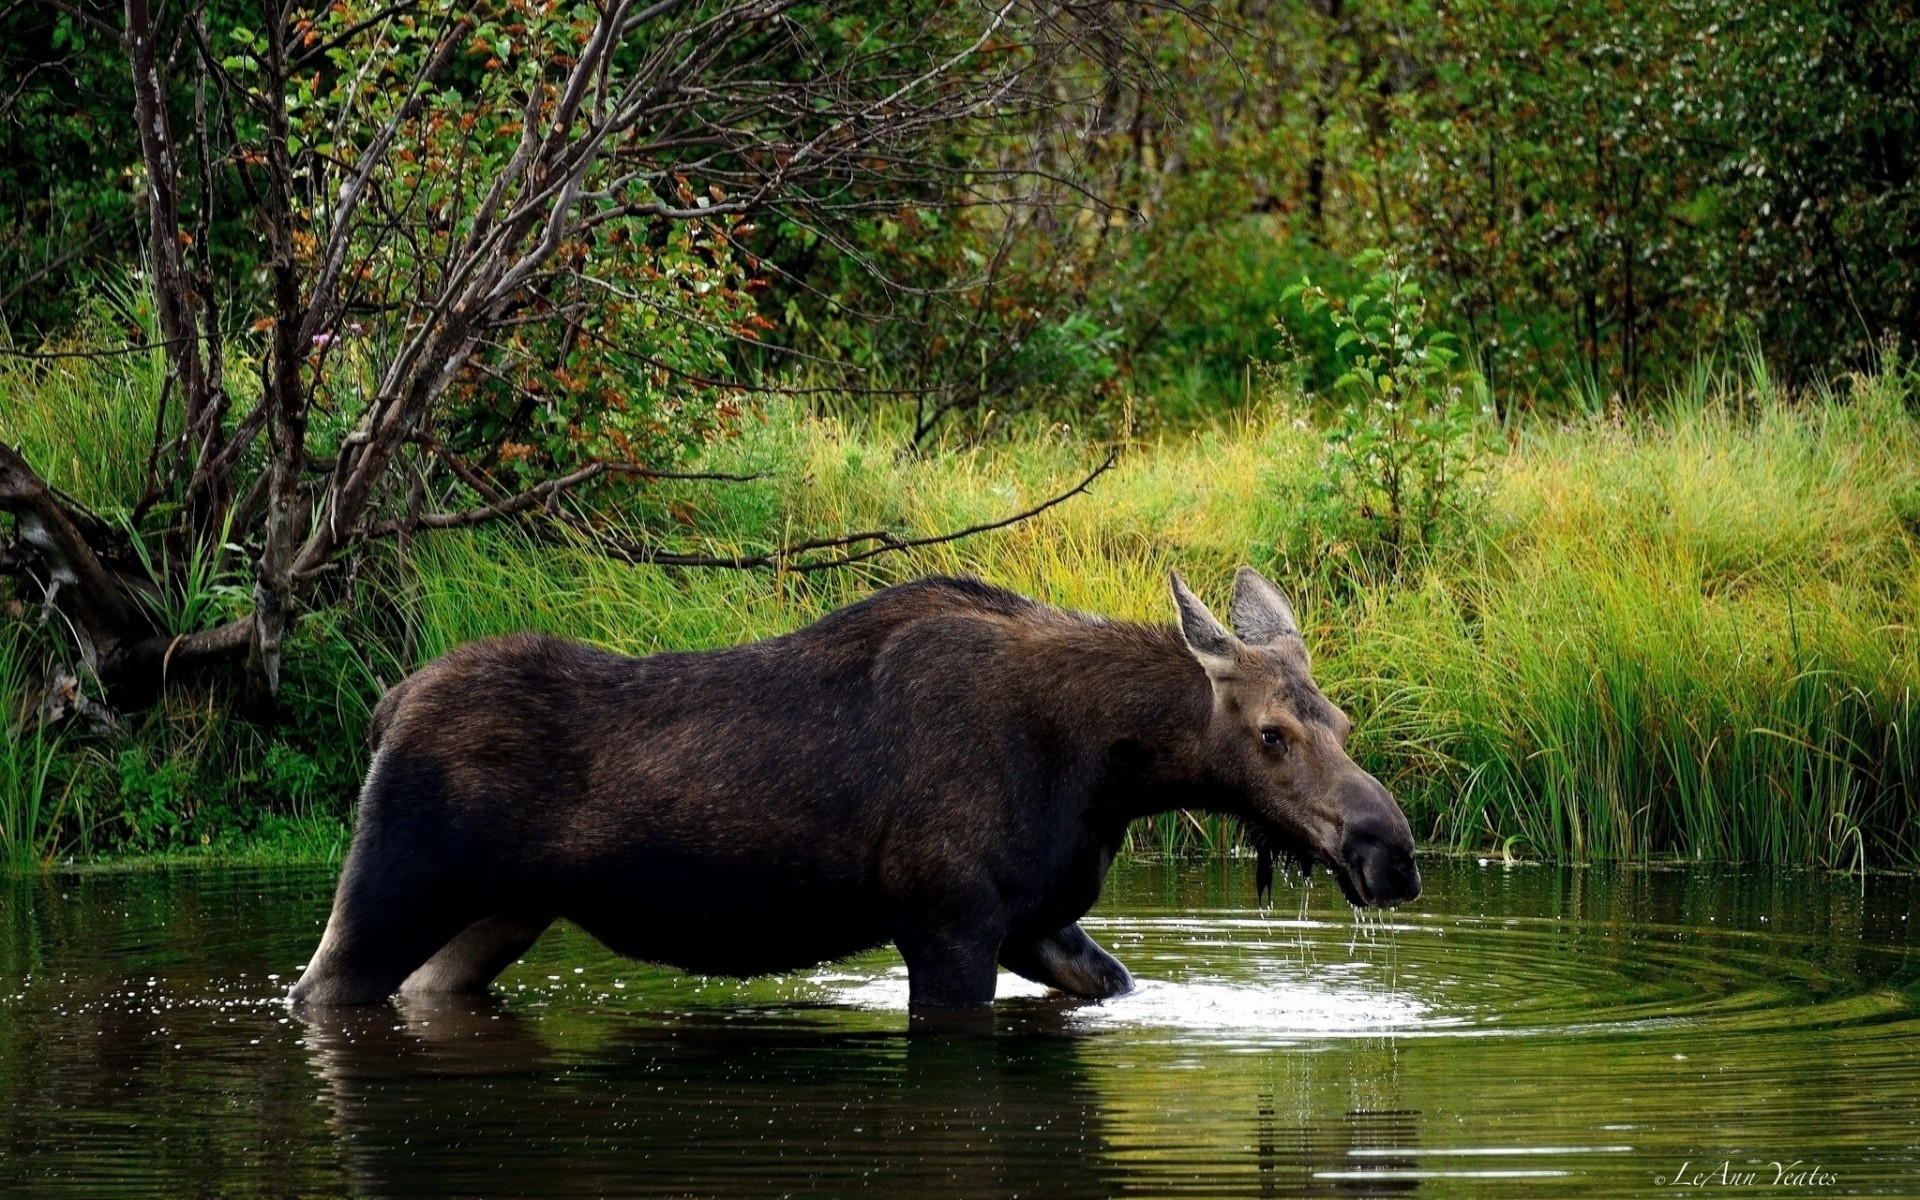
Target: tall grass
{"points": [[87, 424], [1686, 634], [29, 793]]}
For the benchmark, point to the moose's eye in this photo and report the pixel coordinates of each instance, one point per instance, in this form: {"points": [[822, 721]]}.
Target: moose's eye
{"points": [[1272, 736]]}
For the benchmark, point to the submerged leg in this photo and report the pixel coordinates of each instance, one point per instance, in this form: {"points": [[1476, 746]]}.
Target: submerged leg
{"points": [[946, 968], [371, 946], [1071, 961], [475, 956], [400, 897]]}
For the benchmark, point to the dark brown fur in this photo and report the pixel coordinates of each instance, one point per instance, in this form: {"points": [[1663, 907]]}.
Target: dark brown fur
{"points": [[945, 765]]}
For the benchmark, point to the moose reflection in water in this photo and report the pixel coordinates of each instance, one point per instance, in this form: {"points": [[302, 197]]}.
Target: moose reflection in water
{"points": [[460, 1090], [946, 765]]}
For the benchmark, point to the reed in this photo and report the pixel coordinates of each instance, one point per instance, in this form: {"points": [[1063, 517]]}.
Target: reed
{"points": [[30, 794], [1689, 635]]}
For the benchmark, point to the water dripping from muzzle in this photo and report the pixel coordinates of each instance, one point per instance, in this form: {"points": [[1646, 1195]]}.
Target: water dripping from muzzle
{"points": [[1273, 851]]}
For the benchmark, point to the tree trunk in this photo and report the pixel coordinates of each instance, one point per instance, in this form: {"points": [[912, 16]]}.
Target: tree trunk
{"points": [[104, 615], [175, 295], [274, 603]]}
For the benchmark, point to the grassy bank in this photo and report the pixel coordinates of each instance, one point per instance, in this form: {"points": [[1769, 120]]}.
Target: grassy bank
{"points": [[1690, 634]]}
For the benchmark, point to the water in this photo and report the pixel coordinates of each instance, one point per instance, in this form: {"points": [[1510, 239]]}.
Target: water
{"points": [[1522, 1032]]}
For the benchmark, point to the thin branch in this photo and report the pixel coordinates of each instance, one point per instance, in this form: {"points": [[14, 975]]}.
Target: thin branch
{"points": [[858, 547], [334, 260], [84, 17], [86, 246], [544, 495], [110, 352], [872, 543]]}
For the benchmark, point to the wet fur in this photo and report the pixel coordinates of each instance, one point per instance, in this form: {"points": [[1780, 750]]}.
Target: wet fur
{"points": [[946, 765]]}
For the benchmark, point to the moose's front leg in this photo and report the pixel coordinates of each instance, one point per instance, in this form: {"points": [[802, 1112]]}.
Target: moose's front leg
{"points": [[950, 963], [1071, 961]]}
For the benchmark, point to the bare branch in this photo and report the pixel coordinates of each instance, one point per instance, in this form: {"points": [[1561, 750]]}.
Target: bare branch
{"points": [[541, 496], [109, 352], [872, 543]]}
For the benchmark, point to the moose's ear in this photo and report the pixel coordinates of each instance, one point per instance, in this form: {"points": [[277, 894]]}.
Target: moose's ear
{"points": [[1261, 615], [1206, 637]]}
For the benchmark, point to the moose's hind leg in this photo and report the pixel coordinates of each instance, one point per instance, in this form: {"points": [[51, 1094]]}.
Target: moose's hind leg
{"points": [[368, 949], [1071, 961], [400, 899], [475, 956]]}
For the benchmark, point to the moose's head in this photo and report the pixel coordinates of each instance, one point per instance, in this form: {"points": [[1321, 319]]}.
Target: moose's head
{"points": [[1280, 745]]}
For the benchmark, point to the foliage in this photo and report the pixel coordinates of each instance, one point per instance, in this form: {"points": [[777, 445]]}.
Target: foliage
{"points": [[635, 317], [67, 150], [1687, 634], [1592, 193], [1404, 442], [1552, 170], [1190, 172], [1624, 185]]}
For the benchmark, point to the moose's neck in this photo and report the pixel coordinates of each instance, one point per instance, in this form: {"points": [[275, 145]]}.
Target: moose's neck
{"points": [[1138, 705]]}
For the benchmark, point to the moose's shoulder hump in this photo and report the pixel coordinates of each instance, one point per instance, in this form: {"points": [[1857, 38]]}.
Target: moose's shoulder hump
{"points": [[950, 592], [529, 666], [877, 617]]}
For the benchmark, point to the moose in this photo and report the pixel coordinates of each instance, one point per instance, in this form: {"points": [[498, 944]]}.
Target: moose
{"points": [[946, 765]]}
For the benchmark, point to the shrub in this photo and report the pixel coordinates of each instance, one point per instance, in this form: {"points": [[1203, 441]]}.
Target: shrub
{"points": [[1405, 447]]}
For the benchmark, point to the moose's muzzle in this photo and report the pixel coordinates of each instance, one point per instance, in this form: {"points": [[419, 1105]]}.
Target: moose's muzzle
{"points": [[1374, 859]]}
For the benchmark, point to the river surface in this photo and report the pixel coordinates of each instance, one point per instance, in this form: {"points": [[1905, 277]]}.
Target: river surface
{"points": [[1521, 1031]]}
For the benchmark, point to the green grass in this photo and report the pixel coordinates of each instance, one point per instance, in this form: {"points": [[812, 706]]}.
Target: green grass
{"points": [[29, 752], [87, 424], [1691, 636], [1688, 634]]}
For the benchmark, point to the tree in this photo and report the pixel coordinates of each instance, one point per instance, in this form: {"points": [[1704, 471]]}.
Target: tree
{"points": [[505, 254], [1624, 186]]}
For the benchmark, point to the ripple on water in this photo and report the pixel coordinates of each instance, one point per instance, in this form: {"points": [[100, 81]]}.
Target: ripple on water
{"points": [[1278, 981], [1257, 980], [1514, 1032], [1278, 1002]]}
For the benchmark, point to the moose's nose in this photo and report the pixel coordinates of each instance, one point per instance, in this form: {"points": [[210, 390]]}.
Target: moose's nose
{"points": [[1376, 843]]}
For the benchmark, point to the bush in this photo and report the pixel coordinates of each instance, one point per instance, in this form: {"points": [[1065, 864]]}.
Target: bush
{"points": [[1405, 444]]}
